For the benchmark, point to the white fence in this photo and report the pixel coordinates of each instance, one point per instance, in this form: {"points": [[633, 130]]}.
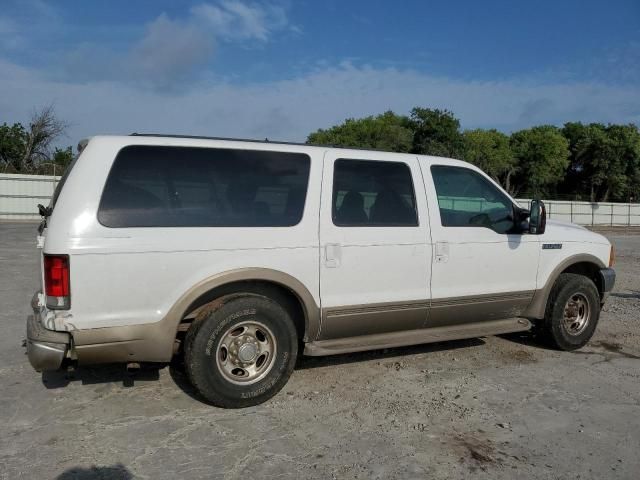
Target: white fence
{"points": [[21, 194], [588, 213]]}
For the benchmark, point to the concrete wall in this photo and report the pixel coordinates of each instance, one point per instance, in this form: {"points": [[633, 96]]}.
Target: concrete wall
{"points": [[21, 194]]}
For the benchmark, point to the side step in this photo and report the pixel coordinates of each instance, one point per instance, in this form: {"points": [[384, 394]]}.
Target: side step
{"points": [[415, 337]]}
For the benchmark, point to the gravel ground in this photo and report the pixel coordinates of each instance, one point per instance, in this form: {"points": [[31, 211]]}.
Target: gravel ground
{"points": [[496, 407]]}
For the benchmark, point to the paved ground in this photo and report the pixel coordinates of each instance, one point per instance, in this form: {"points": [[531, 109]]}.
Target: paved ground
{"points": [[493, 407]]}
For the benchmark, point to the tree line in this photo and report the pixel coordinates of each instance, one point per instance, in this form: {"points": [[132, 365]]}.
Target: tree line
{"points": [[31, 149], [594, 162]]}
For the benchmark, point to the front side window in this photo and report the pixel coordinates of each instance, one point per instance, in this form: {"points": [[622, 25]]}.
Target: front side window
{"points": [[373, 194], [154, 186], [468, 199]]}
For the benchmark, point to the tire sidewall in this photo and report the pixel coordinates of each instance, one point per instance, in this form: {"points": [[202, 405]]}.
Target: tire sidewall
{"points": [[572, 285], [202, 351]]}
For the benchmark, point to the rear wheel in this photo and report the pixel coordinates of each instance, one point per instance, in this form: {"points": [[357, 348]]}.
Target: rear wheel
{"points": [[242, 353], [572, 313]]}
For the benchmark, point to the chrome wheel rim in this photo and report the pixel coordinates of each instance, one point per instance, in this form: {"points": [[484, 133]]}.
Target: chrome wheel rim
{"points": [[246, 353], [577, 313]]}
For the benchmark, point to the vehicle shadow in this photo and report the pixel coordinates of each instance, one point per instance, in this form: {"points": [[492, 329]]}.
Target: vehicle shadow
{"points": [[111, 373], [305, 362], [117, 373], [528, 339], [633, 294], [115, 472]]}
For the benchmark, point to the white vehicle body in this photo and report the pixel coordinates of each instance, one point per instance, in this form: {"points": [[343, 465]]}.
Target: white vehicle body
{"points": [[358, 287]]}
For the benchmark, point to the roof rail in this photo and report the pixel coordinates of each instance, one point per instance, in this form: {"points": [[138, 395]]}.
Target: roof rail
{"points": [[253, 140], [199, 137]]}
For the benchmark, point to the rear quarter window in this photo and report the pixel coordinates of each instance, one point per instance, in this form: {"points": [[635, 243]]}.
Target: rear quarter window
{"points": [[155, 186]]}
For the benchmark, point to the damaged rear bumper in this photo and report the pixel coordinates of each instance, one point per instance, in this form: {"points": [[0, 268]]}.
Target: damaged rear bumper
{"points": [[46, 348]]}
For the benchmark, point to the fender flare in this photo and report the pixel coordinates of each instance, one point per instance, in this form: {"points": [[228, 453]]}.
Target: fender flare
{"points": [[538, 305], [309, 305]]}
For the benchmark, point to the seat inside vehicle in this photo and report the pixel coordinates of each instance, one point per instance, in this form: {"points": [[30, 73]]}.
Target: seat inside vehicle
{"points": [[352, 211]]}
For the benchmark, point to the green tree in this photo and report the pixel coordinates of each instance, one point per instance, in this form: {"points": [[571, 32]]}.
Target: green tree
{"points": [[490, 151], [542, 154], [62, 157], [12, 144], [623, 162], [44, 129], [604, 160], [27, 150], [436, 132], [387, 131]]}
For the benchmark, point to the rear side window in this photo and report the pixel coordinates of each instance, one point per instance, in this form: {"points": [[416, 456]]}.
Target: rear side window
{"points": [[373, 194], [153, 186]]}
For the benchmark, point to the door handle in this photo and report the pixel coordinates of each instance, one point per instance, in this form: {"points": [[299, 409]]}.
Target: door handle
{"points": [[442, 252], [332, 255]]}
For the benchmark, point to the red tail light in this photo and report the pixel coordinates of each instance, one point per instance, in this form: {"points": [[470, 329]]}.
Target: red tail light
{"points": [[56, 281]]}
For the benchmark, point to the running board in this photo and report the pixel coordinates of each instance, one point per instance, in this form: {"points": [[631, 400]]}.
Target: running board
{"points": [[414, 337]]}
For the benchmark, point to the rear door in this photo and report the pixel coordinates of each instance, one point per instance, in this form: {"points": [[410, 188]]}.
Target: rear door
{"points": [[374, 244], [484, 266]]}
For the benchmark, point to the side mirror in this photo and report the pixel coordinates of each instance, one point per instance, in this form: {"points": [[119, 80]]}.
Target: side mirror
{"points": [[537, 217]]}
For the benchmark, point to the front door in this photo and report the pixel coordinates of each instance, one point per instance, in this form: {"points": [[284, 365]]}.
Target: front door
{"points": [[484, 267], [375, 247]]}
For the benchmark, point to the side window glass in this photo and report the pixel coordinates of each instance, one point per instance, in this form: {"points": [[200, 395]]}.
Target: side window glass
{"points": [[467, 199], [370, 193], [156, 186]]}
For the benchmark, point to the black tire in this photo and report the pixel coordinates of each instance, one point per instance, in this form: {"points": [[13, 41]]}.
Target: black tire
{"points": [[554, 329], [204, 351]]}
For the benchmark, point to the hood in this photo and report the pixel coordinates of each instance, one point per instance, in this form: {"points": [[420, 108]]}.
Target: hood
{"points": [[560, 231]]}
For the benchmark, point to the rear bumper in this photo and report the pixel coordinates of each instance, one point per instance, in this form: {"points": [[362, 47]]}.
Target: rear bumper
{"points": [[46, 348], [608, 280]]}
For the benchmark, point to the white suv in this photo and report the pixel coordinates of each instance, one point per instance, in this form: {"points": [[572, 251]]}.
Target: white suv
{"points": [[240, 254]]}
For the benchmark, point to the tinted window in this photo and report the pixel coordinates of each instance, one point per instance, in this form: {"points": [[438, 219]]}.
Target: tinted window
{"points": [[375, 194], [151, 186], [467, 198]]}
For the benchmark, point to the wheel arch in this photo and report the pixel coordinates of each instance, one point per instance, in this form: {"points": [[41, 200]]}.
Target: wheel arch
{"points": [[284, 287], [582, 264]]}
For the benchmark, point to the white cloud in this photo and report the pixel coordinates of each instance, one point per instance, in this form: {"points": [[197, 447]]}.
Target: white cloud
{"points": [[236, 20], [169, 51], [290, 109], [172, 50]]}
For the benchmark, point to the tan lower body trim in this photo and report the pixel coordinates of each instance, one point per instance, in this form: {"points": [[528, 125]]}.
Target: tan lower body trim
{"points": [[153, 342], [460, 310], [374, 318], [354, 320], [150, 342]]}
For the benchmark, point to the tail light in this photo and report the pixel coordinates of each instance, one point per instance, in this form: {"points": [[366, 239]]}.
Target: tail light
{"points": [[56, 281]]}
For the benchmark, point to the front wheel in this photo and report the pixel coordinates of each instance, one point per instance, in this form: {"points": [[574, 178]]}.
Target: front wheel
{"points": [[572, 312], [242, 353]]}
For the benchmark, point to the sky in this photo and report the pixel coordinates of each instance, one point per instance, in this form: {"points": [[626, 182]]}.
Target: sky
{"points": [[281, 69]]}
